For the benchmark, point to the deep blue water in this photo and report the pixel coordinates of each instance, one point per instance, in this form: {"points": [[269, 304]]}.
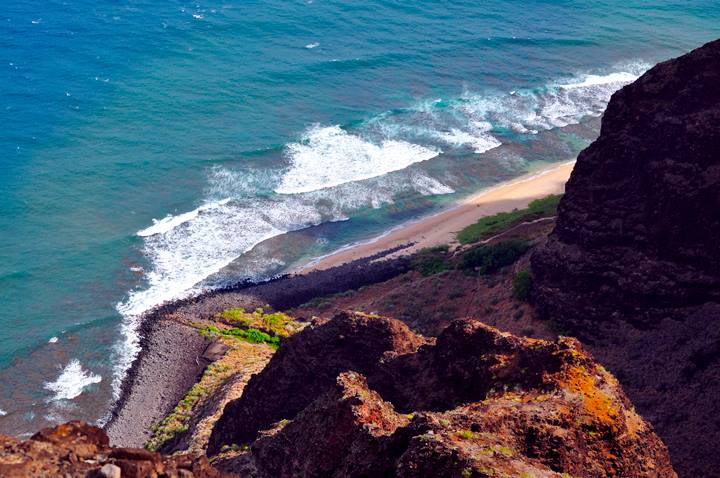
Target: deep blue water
{"points": [[246, 120]]}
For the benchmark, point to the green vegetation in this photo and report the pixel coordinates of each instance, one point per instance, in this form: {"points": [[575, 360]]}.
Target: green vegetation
{"points": [[522, 285], [254, 336], [431, 260], [492, 225], [488, 259], [320, 303], [465, 434], [177, 421], [275, 323]]}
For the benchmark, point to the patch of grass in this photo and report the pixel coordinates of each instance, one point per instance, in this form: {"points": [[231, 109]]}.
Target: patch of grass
{"points": [[320, 303], [522, 285], [432, 260], [253, 336], [274, 323], [488, 259], [491, 225], [465, 434]]}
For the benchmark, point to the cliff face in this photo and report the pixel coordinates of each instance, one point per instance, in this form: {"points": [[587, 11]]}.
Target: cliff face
{"points": [[638, 230], [305, 366], [477, 403], [633, 265]]}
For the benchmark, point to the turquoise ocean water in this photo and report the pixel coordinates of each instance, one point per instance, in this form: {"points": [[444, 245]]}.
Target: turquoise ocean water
{"points": [[152, 149]]}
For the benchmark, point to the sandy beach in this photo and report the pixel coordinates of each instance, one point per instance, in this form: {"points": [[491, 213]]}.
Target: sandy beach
{"points": [[442, 227]]}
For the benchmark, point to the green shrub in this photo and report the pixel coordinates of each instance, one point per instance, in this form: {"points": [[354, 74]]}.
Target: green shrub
{"points": [[254, 336], [491, 225], [320, 303], [431, 260], [522, 285], [488, 259], [275, 323]]}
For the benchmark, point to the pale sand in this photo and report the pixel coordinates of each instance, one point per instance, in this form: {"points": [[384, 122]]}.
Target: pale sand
{"points": [[441, 228]]}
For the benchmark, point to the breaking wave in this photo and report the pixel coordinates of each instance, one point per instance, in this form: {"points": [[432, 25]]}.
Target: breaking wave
{"points": [[330, 156], [72, 381]]}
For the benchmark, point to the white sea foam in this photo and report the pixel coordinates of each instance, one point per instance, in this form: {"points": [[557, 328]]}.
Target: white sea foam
{"points": [[597, 80], [329, 156], [558, 104], [72, 381], [170, 222], [310, 46], [479, 139]]}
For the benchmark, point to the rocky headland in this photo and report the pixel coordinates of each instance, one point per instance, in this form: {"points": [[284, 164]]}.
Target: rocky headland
{"points": [[476, 402]]}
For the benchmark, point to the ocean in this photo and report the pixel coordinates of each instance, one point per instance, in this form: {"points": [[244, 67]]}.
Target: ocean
{"points": [[151, 150]]}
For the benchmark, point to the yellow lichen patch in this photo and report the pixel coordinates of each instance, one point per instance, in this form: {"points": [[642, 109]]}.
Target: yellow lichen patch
{"points": [[597, 403], [239, 357]]}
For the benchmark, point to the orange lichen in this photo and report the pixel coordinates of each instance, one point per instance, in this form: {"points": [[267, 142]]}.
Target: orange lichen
{"points": [[597, 403]]}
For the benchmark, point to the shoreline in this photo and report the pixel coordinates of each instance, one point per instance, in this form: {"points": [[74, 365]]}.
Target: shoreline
{"points": [[148, 393], [441, 227]]}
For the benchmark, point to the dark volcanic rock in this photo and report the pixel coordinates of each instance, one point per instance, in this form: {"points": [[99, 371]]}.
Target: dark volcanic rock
{"points": [[469, 360], [513, 407], [305, 366], [638, 230], [76, 449], [633, 266], [345, 430]]}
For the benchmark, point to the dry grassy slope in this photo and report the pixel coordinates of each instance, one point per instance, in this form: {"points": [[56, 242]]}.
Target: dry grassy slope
{"points": [[428, 304]]}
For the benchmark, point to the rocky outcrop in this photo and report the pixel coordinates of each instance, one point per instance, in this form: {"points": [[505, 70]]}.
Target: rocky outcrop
{"points": [[76, 449], [638, 230], [633, 265], [305, 366], [478, 403]]}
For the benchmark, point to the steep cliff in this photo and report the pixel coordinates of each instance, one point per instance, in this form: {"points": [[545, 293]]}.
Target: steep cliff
{"points": [[633, 265], [306, 365], [638, 230]]}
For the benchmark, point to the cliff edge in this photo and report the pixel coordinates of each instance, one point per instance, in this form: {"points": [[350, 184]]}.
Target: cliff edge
{"points": [[633, 265]]}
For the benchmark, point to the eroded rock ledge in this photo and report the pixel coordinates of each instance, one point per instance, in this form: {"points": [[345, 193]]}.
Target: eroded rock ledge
{"points": [[476, 403], [76, 449]]}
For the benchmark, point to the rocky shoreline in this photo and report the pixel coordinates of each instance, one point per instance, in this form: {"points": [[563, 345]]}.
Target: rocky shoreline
{"points": [[171, 356]]}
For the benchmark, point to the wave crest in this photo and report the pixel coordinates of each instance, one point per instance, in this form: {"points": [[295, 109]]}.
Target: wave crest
{"points": [[330, 156], [72, 381]]}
